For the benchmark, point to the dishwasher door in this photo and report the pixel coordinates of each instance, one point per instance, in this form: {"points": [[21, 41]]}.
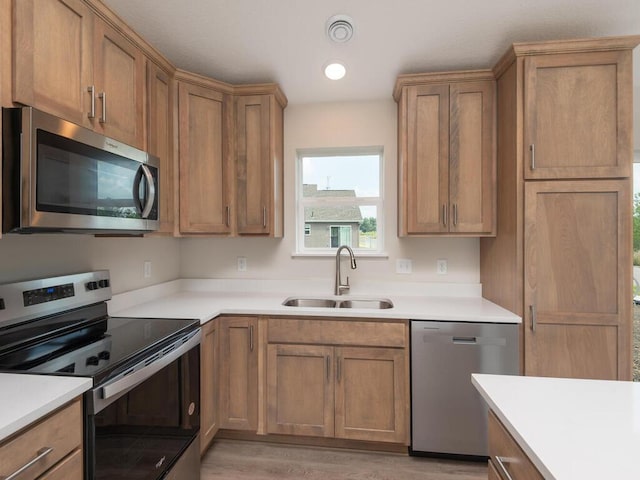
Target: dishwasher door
{"points": [[448, 416]]}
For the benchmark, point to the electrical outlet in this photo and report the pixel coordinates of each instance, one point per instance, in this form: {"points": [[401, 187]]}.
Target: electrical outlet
{"points": [[403, 265], [147, 269], [242, 264], [441, 266]]}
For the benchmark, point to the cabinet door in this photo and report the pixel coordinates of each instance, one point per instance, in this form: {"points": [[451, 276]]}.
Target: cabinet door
{"points": [[371, 399], [472, 159], [119, 79], [205, 175], [426, 180], [159, 140], [53, 53], [208, 384], [577, 279], [254, 175], [578, 115], [238, 373], [300, 390]]}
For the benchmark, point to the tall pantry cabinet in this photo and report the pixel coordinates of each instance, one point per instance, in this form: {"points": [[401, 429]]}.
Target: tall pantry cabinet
{"points": [[562, 255]]}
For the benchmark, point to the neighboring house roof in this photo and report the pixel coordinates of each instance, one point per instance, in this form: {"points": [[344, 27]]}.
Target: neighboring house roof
{"points": [[348, 214]]}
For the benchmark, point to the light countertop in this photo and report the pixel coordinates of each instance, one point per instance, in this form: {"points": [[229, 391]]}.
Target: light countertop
{"points": [[204, 300], [570, 429], [26, 398]]}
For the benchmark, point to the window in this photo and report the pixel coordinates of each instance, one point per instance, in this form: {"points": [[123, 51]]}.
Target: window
{"points": [[339, 200]]}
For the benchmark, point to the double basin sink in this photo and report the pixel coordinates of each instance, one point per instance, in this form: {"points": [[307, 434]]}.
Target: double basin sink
{"points": [[374, 303]]}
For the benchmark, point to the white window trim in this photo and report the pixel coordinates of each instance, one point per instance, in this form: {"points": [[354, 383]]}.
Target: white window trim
{"points": [[301, 202]]}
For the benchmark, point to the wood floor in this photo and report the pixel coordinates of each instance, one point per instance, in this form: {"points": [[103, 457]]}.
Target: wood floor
{"points": [[243, 460]]}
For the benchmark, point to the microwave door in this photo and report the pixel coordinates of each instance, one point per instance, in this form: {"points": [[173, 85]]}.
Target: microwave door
{"points": [[144, 194]]}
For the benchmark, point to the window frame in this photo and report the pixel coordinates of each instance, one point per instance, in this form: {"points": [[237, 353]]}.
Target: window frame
{"points": [[302, 202]]}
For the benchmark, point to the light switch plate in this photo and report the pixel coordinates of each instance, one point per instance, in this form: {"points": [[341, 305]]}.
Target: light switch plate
{"points": [[403, 265], [441, 266], [147, 269], [242, 264]]}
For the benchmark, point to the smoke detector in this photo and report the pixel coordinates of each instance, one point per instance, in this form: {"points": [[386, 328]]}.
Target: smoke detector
{"points": [[340, 28]]}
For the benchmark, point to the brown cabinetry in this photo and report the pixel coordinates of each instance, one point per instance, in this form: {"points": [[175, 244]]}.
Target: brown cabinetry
{"points": [[577, 121], [562, 257], [576, 264], [71, 63], [159, 101], [507, 461], [55, 440], [205, 166], [334, 390], [208, 384], [238, 373], [259, 165], [446, 146]]}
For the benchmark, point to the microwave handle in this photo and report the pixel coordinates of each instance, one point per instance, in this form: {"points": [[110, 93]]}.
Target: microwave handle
{"points": [[150, 190]]}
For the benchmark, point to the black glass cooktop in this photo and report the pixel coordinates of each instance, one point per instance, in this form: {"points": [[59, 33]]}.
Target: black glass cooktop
{"points": [[85, 342]]}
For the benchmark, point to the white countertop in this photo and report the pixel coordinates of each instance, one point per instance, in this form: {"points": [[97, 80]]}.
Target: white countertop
{"points": [[204, 300], [26, 398], [570, 429]]}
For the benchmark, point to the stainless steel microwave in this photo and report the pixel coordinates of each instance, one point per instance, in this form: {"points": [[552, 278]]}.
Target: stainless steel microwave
{"points": [[60, 177]]}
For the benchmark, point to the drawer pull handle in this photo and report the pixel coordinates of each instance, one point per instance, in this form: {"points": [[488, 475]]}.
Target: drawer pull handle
{"points": [[532, 149], [444, 215], [501, 461], [103, 96], [92, 111], [43, 452]]}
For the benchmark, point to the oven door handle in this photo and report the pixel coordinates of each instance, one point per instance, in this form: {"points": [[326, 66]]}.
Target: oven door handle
{"points": [[122, 385]]}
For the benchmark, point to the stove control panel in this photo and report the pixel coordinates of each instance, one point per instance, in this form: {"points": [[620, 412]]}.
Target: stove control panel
{"points": [[47, 294]]}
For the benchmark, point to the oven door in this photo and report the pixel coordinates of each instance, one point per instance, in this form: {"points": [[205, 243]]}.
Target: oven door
{"points": [[141, 430]]}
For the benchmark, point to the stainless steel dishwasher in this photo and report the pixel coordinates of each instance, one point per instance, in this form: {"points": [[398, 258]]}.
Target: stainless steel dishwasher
{"points": [[448, 416]]}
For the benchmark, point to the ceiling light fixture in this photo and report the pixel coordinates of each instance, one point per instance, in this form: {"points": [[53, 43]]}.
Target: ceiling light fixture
{"points": [[335, 70]]}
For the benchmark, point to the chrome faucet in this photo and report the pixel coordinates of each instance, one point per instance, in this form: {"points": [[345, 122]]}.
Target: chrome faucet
{"points": [[339, 286]]}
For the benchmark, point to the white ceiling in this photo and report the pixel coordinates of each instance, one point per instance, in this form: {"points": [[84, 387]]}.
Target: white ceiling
{"points": [[284, 41]]}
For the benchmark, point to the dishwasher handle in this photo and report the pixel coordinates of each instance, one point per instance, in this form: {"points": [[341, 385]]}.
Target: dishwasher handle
{"points": [[464, 340]]}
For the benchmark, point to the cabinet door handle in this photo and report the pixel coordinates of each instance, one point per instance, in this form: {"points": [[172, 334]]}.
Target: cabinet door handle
{"points": [[533, 314], [501, 461], [92, 110], [43, 452], [103, 96], [444, 214], [251, 338], [228, 219], [455, 214], [532, 149], [339, 369], [328, 368], [264, 217]]}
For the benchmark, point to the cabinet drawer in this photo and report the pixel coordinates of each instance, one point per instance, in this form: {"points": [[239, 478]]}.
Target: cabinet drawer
{"points": [[61, 431], [68, 469], [514, 460], [337, 332]]}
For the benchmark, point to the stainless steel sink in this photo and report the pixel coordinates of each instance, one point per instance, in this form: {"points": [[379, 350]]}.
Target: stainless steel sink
{"points": [[378, 304], [374, 303], [310, 302]]}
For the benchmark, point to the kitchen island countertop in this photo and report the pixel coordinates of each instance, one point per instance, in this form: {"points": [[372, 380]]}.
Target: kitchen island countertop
{"points": [[27, 398], [570, 429]]}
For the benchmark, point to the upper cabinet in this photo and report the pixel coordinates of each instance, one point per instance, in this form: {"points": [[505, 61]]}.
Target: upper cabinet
{"points": [[70, 63], [231, 162], [118, 79], [446, 154], [259, 164], [160, 111], [205, 165], [578, 115], [53, 57]]}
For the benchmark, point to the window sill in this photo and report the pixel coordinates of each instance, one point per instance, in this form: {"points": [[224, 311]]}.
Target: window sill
{"points": [[327, 253]]}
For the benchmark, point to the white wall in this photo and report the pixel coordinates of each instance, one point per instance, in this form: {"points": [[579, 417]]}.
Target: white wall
{"points": [[334, 125], [24, 257]]}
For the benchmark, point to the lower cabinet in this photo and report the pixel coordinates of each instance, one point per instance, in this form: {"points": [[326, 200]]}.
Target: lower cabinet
{"points": [[208, 384], [60, 434], [347, 392], [238, 373], [507, 461]]}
